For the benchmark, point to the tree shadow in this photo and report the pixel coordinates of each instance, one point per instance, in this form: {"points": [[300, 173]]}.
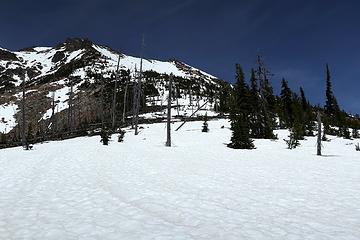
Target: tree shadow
{"points": [[329, 155]]}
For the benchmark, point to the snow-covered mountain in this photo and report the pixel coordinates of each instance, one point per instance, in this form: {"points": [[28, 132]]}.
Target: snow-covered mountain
{"points": [[90, 68]]}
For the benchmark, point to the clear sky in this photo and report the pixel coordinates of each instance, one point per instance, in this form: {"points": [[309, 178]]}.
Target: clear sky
{"points": [[296, 38]]}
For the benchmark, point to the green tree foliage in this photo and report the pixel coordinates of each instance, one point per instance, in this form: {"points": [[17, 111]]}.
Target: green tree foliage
{"points": [[239, 114], [292, 142], [121, 135], [105, 136], [224, 99], [286, 114], [309, 117], [240, 138], [331, 105], [255, 117], [267, 103], [355, 133]]}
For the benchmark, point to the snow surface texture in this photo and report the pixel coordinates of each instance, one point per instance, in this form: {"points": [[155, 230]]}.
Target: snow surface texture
{"points": [[197, 189], [130, 62], [7, 119]]}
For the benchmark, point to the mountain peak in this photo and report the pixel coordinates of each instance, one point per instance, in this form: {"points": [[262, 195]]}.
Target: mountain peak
{"points": [[74, 44]]}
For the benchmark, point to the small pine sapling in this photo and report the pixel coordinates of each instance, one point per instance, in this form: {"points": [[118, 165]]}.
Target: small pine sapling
{"points": [[355, 133], [105, 136], [345, 133], [121, 135], [293, 141], [357, 147], [309, 129]]}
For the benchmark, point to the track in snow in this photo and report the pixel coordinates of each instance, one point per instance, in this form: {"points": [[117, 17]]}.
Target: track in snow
{"points": [[198, 189]]}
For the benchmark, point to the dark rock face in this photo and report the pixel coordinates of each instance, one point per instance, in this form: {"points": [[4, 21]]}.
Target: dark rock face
{"points": [[74, 44], [28, 49], [6, 83], [58, 57], [7, 56]]}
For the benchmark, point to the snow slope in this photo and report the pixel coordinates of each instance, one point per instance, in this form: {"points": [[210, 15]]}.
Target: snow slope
{"points": [[197, 189], [7, 119], [129, 62], [47, 69]]}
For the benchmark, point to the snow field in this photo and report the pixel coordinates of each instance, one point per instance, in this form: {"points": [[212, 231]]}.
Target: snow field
{"points": [[197, 189]]}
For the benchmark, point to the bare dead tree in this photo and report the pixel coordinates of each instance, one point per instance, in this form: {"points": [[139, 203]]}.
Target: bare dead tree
{"points": [[177, 100], [190, 98], [125, 97], [23, 119], [168, 123], [137, 99], [192, 115], [102, 105], [319, 134], [70, 108], [134, 99], [114, 99], [53, 112], [138, 95]]}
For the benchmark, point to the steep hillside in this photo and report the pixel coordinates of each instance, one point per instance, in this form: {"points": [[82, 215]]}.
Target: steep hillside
{"points": [[90, 69]]}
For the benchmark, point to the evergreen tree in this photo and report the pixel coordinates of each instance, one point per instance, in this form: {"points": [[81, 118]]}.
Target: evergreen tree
{"points": [[304, 102], [242, 94], [286, 98], [239, 114], [224, 99], [267, 125], [240, 132], [121, 135], [309, 128], [105, 136], [292, 142], [307, 114], [298, 129], [345, 132], [355, 133], [267, 102], [255, 113], [331, 105], [326, 131]]}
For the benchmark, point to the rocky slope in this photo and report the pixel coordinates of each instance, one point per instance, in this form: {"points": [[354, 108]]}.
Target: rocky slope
{"points": [[49, 73]]}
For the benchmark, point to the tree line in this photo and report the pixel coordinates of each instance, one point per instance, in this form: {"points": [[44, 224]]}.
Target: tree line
{"points": [[255, 112]]}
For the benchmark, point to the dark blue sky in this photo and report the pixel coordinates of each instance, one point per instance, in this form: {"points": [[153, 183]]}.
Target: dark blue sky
{"points": [[296, 38]]}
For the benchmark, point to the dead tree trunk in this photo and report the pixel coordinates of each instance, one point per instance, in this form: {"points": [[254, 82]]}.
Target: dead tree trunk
{"points": [[177, 101], [138, 97], [23, 122], [125, 97], [53, 114], [319, 134], [102, 105], [168, 124], [192, 115], [134, 100], [70, 109], [114, 99]]}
